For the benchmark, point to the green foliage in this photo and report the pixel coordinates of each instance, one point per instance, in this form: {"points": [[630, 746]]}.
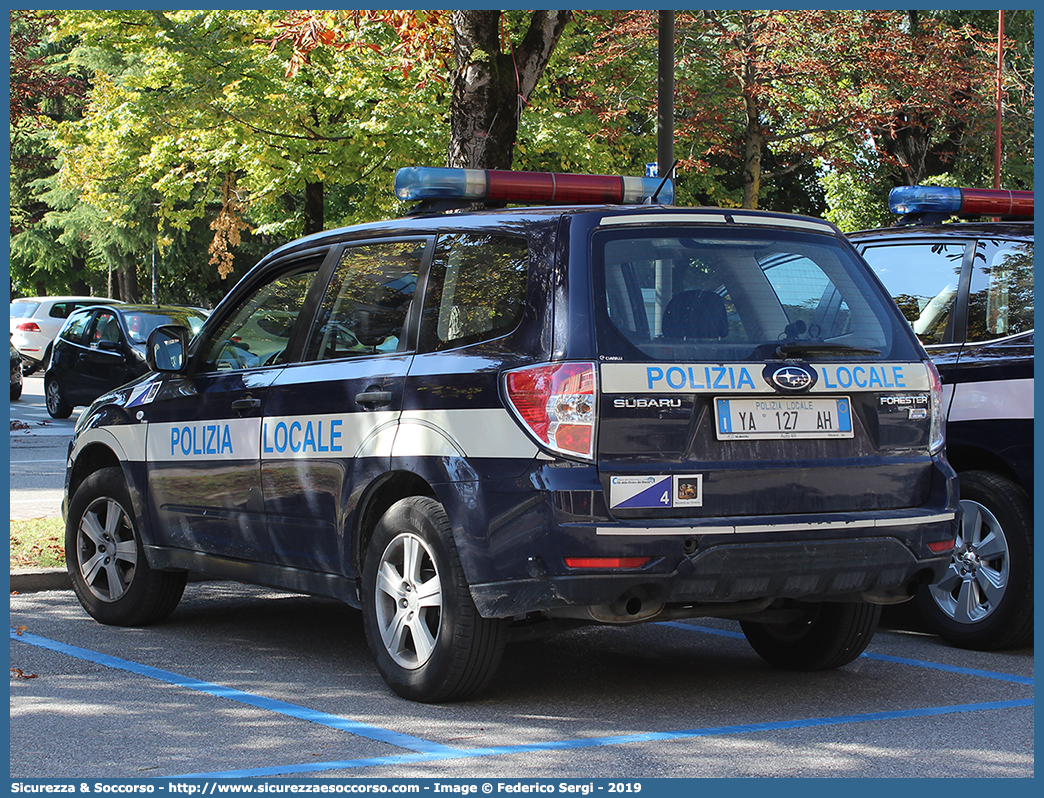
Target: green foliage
{"points": [[208, 131]]}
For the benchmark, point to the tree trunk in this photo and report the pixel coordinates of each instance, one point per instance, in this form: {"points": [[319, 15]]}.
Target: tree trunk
{"points": [[753, 141], [753, 135], [314, 221], [127, 276], [79, 286], [490, 87]]}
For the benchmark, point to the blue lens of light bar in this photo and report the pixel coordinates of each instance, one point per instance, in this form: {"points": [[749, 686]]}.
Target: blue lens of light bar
{"points": [[924, 199], [431, 182]]}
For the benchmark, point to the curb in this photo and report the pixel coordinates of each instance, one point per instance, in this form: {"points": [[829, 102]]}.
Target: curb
{"points": [[36, 580]]}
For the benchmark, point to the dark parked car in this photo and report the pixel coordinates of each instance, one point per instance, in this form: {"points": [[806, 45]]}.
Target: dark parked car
{"points": [[102, 347], [966, 287], [16, 373]]}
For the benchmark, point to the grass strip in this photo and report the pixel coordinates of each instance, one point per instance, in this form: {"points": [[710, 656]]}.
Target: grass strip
{"points": [[37, 543]]}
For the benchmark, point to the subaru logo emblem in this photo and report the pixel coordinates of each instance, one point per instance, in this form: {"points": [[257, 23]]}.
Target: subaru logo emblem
{"points": [[792, 378]]}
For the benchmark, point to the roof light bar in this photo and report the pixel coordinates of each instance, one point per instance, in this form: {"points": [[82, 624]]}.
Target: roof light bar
{"points": [[960, 201], [413, 183]]}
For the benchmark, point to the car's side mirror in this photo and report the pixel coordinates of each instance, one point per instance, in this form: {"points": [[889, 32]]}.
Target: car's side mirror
{"points": [[167, 348]]}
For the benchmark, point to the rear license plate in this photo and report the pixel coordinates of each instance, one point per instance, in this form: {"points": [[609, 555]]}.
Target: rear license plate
{"points": [[783, 417]]}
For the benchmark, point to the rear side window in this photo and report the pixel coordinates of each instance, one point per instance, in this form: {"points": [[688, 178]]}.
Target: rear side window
{"points": [[61, 310], [1001, 299], [923, 278], [695, 294], [476, 291]]}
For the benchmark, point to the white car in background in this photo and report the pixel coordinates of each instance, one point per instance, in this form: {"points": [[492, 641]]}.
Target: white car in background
{"points": [[35, 322]]}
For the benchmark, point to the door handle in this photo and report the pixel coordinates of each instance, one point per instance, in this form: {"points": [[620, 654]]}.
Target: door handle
{"points": [[374, 398], [248, 402]]}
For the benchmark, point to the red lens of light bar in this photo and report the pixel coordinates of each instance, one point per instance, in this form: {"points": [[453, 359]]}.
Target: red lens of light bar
{"points": [[606, 562], [996, 202], [554, 188]]}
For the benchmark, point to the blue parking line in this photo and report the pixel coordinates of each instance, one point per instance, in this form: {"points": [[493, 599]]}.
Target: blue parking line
{"points": [[623, 739], [938, 666], [917, 663], [268, 704], [426, 751]]}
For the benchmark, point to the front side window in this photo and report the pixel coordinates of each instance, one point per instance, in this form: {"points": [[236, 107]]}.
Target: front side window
{"points": [[695, 294], [258, 331], [73, 330], [476, 291], [1001, 299], [922, 278], [366, 304], [106, 329]]}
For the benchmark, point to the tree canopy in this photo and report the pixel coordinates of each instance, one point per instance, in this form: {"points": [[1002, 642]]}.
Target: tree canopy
{"points": [[201, 138]]}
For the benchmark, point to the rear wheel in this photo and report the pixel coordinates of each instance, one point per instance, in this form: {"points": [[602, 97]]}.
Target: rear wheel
{"points": [[985, 599], [827, 635], [57, 407], [428, 640], [106, 560]]}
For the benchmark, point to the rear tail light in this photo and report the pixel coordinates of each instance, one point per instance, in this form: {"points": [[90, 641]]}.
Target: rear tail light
{"points": [[556, 404], [937, 432], [27, 326]]}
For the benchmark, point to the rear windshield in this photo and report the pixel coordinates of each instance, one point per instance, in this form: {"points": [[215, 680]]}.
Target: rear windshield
{"points": [[678, 293], [23, 310], [139, 325]]}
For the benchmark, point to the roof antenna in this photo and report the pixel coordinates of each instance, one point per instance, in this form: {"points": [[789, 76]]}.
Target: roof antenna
{"points": [[666, 177]]}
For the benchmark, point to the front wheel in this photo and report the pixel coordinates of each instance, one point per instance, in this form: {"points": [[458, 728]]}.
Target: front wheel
{"points": [[57, 407], [427, 637], [985, 599], [826, 635], [106, 560]]}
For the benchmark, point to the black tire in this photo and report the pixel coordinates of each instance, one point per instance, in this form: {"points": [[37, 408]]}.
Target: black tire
{"points": [[828, 636], [106, 560], [57, 407], [985, 600], [16, 392], [428, 639]]}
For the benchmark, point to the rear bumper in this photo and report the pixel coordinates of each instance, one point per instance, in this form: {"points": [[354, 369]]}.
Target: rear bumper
{"points": [[880, 559]]}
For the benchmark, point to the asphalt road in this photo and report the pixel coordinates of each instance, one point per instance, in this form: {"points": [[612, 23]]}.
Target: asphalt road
{"points": [[39, 445], [247, 682]]}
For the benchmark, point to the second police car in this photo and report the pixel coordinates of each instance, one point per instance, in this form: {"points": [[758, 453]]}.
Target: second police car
{"points": [[966, 287], [481, 423]]}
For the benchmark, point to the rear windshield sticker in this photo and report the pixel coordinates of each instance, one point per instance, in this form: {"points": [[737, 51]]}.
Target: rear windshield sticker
{"points": [[739, 378]]}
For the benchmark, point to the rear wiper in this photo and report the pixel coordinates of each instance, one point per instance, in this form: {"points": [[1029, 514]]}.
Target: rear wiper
{"points": [[792, 348]]}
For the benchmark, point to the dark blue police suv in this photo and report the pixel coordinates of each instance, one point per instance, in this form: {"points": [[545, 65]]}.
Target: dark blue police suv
{"points": [[480, 424], [966, 287]]}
